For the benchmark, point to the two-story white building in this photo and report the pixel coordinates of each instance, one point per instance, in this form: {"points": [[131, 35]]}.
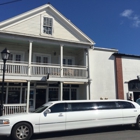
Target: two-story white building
{"points": [[44, 44], [51, 59]]}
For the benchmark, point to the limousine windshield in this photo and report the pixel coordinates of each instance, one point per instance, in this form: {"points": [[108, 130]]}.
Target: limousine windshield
{"points": [[42, 108]]}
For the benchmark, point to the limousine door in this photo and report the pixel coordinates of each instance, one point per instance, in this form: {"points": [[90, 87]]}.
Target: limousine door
{"points": [[109, 113], [80, 115], [129, 112], [55, 120]]}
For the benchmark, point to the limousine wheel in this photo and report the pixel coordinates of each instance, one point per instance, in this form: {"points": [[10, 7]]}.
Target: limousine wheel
{"points": [[22, 131], [138, 123]]}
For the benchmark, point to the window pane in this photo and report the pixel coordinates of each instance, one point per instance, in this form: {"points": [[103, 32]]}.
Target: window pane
{"points": [[14, 95], [58, 108], [11, 57], [80, 106], [64, 61], [53, 94], [47, 25], [69, 61], [106, 105], [18, 57], [45, 59], [126, 105], [73, 94], [38, 59], [66, 94]]}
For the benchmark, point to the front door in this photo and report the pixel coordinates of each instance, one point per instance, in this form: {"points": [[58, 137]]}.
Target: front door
{"points": [[40, 97], [55, 120]]}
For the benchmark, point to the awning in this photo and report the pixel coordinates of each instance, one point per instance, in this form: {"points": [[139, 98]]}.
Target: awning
{"points": [[73, 82], [13, 81]]}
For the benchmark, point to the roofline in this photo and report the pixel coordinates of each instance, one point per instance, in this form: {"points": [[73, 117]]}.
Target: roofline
{"points": [[126, 55], [105, 49], [98, 100], [55, 10]]}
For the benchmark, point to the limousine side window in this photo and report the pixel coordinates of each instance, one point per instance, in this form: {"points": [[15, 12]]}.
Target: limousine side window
{"points": [[106, 105], [80, 106], [60, 107], [126, 105]]}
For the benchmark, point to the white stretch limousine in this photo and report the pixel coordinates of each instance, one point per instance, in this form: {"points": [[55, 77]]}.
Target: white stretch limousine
{"points": [[67, 115]]}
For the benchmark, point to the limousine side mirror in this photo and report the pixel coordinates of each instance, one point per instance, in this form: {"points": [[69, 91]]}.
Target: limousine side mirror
{"points": [[46, 112]]}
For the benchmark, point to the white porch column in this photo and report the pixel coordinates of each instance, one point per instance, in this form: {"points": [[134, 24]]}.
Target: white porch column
{"points": [[61, 60], [28, 96], [87, 91], [61, 91], [88, 71], [29, 73], [30, 56]]}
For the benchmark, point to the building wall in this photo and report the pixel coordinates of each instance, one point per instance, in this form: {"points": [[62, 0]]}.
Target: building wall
{"points": [[131, 69], [32, 26], [102, 74]]}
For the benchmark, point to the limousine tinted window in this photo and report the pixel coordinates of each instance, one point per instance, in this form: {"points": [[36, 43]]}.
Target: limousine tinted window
{"points": [[106, 105], [80, 106], [60, 107], [126, 104]]}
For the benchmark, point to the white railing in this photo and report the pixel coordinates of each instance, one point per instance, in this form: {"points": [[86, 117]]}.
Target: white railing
{"points": [[21, 68], [45, 69], [14, 108], [75, 72], [15, 68]]}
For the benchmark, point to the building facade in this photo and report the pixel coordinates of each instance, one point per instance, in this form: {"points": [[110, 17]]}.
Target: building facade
{"points": [[51, 59]]}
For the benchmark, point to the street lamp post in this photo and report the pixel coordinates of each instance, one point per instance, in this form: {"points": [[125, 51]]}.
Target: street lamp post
{"points": [[5, 55]]}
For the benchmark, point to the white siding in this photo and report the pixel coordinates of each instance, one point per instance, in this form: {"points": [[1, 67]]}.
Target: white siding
{"points": [[102, 73], [32, 26]]}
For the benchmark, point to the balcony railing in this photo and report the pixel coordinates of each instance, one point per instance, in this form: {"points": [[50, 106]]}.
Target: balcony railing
{"points": [[14, 108], [21, 68]]}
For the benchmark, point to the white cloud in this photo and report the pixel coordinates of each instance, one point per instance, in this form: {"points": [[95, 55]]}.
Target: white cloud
{"points": [[129, 14]]}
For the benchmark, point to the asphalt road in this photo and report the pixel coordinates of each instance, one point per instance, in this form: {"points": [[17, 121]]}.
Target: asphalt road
{"points": [[105, 133]]}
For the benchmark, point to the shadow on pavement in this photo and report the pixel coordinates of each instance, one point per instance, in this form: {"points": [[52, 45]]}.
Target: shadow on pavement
{"points": [[81, 132]]}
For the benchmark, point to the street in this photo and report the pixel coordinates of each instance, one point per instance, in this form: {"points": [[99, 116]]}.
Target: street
{"points": [[105, 133]]}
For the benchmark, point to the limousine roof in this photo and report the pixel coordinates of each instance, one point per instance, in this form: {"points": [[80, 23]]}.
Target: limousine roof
{"points": [[75, 101]]}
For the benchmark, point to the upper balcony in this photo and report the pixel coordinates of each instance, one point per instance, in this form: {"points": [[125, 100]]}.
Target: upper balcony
{"points": [[21, 68], [40, 57]]}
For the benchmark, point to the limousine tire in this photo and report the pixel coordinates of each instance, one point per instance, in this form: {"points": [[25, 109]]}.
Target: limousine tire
{"points": [[22, 131], [138, 123]]}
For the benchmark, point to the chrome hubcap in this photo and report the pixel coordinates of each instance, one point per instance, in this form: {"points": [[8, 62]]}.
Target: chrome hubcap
{"points": [[22, 132]]}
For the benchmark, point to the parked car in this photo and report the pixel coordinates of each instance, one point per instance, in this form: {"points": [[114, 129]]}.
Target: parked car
{"points": [[68, 115]]}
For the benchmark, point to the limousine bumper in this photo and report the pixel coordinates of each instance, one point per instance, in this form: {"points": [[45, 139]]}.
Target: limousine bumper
{"points": [[5, 130]]}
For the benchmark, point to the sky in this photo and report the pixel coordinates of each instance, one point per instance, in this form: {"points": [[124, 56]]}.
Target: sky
{"points": [[109, 23]]}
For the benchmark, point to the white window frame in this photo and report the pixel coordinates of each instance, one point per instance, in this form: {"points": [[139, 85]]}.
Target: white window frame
{"points": [[69, 57], [18, 53], [42, 23], [41, 55]]}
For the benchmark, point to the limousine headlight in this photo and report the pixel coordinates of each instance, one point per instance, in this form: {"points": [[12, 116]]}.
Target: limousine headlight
{"points": [[4, 121]]}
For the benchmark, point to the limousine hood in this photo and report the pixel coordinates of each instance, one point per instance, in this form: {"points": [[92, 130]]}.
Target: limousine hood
{"points": [[21, 117]]}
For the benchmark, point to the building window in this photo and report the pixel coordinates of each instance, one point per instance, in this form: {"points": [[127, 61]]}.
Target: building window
{"points": [[47, 25]]}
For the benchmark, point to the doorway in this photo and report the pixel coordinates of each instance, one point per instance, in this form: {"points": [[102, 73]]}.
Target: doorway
{"points": [[136, 95], [40, 97]]}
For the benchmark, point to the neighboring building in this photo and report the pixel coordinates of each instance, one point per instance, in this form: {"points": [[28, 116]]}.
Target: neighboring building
{"points": [[44, 44], [127, 75]]}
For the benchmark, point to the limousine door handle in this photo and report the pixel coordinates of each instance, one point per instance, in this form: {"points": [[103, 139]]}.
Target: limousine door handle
{"points": [[60, 115], [135, 110]]}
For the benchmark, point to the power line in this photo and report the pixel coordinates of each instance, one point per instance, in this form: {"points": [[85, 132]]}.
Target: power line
{"points": [[9, 2]]}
